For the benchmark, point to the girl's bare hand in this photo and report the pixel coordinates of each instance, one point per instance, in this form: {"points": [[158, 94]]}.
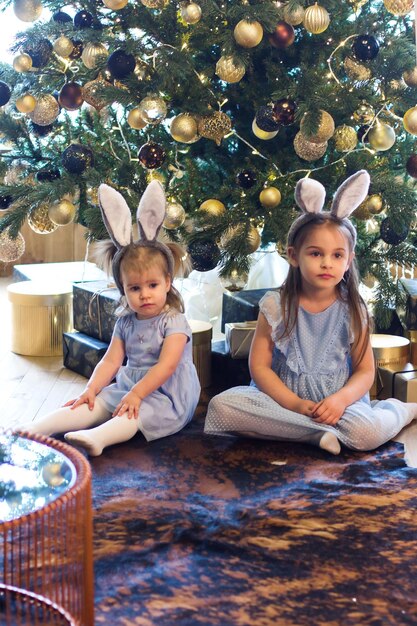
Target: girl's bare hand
{"points": [[87, 397], [129, 404]]}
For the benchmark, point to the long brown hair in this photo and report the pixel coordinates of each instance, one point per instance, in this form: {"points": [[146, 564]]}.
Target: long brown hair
{"points": [[347, 289], [137, 258]]}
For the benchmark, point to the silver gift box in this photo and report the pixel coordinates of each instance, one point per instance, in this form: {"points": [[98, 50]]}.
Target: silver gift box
{"points": [[238, 336], [398, 382]]}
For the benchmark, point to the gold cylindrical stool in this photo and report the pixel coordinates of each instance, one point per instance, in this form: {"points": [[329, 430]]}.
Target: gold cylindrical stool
{"points": [[389, 350], [202, 334], [40, 314]]}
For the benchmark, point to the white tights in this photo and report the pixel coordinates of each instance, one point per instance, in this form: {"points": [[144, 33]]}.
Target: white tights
{"points": [[77, 424]]}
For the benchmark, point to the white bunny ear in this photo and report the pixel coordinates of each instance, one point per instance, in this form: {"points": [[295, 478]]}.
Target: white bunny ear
{"points": [[116, 215], [350, 194], [310, 195], [151, 211]]}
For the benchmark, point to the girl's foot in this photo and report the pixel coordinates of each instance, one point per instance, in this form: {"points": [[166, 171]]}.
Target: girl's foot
{"points": [[330, 443], [82, 439]]}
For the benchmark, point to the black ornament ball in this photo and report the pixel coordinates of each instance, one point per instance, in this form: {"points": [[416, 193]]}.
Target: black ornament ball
{"points": [[411, 165], [284, 111], [361, 133], [121, 64], [83, 19], [71, 96], [204, 255], [5, 93], [40, 52], [151, 155], [391, 236], [47, 175], [77, 158], [365, 47], [77, 50], [62, 17], [41, 131], [265, 119], [246, 179], [5, 202]]}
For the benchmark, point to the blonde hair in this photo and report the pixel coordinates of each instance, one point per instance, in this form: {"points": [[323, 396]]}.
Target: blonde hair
{"points": [[347, 289], [138, 258]]}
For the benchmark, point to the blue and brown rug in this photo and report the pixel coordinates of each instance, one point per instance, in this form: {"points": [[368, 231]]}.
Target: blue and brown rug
{"points": [[193, 530]]}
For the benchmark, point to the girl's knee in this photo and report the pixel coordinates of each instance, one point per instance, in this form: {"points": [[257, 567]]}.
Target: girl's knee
{"points": [[362, 437]]}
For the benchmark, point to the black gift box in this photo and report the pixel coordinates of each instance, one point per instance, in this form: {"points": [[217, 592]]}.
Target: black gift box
{"points": [[82, 353], [408, 315], [94, 307], [227, 372], [241, 306]]}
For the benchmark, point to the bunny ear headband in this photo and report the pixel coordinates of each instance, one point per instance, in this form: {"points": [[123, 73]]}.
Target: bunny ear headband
{"points": [[118, 221], [310, 196]]}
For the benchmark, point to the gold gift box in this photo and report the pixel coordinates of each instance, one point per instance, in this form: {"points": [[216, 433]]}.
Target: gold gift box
{"points": [[390, 351], [398, 382], [238, 336]]}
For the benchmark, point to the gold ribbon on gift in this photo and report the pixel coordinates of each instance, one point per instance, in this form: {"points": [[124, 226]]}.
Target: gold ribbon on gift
{"points": [[95, 298]]}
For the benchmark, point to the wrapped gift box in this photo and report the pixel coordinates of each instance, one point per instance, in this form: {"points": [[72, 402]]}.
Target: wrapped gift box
{"points": [[241, 306], [227, 372], [398, 382], [94, 307], [82, 353], [408, 314], [239, 337]]}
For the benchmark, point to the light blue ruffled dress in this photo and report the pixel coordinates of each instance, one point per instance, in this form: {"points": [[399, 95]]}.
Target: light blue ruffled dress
{"points": [[171, 407], [314, 362]]}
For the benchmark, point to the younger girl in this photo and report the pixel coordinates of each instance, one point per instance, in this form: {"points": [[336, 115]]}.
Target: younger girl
{"points": [[311, 359], [158, 390]]}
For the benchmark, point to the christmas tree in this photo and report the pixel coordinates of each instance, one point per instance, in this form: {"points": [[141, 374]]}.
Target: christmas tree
{"points": [[228, 103]]}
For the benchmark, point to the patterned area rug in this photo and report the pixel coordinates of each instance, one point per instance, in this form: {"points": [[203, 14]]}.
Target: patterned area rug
{"points": [[194, 530]]}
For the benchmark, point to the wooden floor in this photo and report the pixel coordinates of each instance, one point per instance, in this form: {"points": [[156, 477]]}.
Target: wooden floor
{"points": [[30, 386]]}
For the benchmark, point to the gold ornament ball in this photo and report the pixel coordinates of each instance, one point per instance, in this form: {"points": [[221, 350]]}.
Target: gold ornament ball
{"points": [[364, 113], [26, 103], [229, 69], [410, 121], [11, 249], [381, 136], [46, 110], [362, 212], [155, 4], [27, 10], [410, 77], [262, 134], [307, 150], [295, 15], [115, 5], [22, 62], [191, 12], [40, 222], [63, 46], [135, 119], [93, 93], [374, 203], [184, 128], [93, 53], [325, 130], [254, 239], [62, 212], [316, 19], [248, 34], [270, 197], [213, 207], [174, 215], [399, 7], [215, 126], [355, 70], [345, 138], [153, 109]]}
